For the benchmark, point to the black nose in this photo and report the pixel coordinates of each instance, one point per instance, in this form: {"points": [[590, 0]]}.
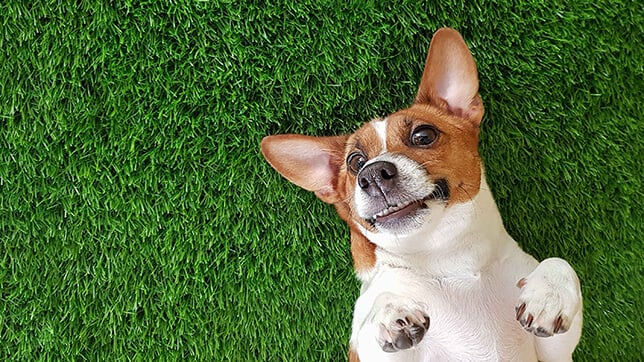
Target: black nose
{"points": [[378, 178]]}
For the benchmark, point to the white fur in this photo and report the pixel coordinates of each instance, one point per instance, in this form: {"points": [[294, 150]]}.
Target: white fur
{"points": [[461, 268], [380, 125]]}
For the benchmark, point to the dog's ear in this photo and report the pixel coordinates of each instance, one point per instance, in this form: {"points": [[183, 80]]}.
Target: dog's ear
{"points": [[450, 80], [312, 163]]}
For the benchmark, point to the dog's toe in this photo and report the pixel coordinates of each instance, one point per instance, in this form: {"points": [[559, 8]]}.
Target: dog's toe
{"points": [[401, 328]]}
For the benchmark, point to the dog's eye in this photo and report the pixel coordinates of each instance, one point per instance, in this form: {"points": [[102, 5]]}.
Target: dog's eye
{"points": [[355, 162], [423, 136]]}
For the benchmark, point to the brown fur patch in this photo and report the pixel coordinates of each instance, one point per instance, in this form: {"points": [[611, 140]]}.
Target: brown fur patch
{"points": [[453, 156], [363, 251], [353, 355]]}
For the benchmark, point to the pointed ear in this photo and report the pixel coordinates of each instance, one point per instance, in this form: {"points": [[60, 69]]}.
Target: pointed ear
{"points": [[312, 163], [450, 80]]}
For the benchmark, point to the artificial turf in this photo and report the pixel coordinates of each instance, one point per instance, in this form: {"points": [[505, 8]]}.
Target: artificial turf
{"points": [[138, 220]]}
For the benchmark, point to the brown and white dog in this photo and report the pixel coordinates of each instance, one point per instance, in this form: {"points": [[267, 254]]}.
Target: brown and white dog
{"points": [[441, 278]]}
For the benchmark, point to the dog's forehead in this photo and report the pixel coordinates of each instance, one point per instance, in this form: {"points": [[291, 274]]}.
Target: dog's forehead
{"points": [[371, 138], [408, 118]]}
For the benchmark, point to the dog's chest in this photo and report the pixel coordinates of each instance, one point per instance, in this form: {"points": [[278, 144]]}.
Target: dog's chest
{"points": [[474, 318], [471, 317]]}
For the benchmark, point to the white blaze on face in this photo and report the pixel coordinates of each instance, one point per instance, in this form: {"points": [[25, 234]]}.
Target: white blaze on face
{"points": [[380, 125]]}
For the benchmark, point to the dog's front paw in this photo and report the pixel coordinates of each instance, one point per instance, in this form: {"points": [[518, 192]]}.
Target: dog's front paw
{"points": [[550, 298], [401, 326]]}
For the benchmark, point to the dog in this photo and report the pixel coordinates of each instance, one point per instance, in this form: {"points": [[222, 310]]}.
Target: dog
{"points": [[442, 280]]}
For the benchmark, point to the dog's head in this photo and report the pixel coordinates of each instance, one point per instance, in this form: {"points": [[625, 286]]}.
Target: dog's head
{"points": [[395, 176]]}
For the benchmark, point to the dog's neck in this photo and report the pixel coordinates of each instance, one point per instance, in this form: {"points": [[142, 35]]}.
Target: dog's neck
{"points": [[468, 237]]}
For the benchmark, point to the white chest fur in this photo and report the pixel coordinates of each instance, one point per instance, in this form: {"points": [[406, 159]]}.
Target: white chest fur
{"points": [[471, 317]]}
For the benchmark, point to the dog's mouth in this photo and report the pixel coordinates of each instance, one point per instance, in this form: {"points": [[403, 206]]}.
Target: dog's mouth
{"points": [[397, 211], [408, 208]]}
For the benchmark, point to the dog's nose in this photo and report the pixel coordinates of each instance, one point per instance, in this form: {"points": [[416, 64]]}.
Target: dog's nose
{"points": [[378, 178]]}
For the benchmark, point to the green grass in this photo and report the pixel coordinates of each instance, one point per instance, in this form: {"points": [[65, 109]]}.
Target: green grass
{"points": [[138, 220]]}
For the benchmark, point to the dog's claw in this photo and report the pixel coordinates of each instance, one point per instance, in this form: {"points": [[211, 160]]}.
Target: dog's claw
{"points": [[540, 331], [559, 326], [558, 323], [519, 311]]}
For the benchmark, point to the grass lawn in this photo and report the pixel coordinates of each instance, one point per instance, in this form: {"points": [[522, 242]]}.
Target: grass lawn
{"points": [[138, 220]]}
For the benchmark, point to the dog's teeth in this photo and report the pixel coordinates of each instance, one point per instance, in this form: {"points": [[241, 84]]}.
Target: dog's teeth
{"points": [[391, 210]]}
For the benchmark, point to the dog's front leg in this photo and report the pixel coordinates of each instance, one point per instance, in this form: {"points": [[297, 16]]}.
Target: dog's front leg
{"points": [[550, 307], [391, 329]]}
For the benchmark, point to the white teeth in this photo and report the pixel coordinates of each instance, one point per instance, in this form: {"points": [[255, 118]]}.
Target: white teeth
{"points": [[392, 209]]}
